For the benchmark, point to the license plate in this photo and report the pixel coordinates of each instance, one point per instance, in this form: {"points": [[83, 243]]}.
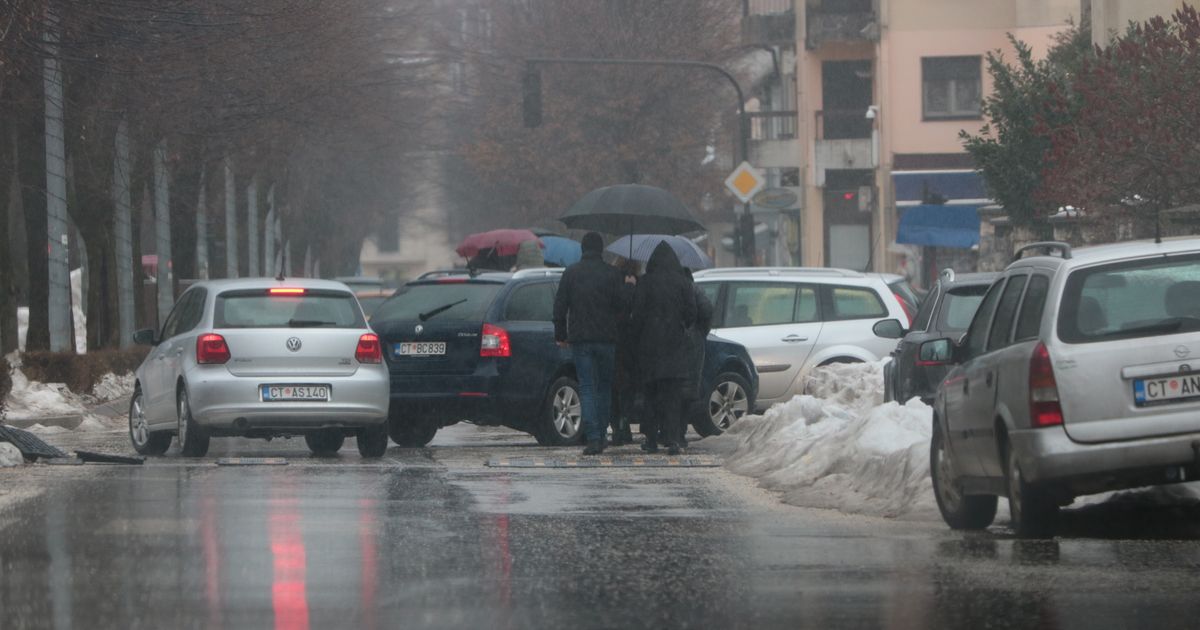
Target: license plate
{"points": [[1150, 391], [284, 393], [420, 349]]}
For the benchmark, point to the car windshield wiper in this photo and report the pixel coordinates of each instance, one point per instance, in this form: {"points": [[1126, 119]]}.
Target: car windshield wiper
{"points": [[441, 309], [309, 323]]}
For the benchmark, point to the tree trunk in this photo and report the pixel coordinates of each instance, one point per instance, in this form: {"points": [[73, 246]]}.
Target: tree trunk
{"points": [[202, 229], [231, 232], [58, 274], [252, 227], [269, 236], [123, 237], [8, 289], [162, 232]]}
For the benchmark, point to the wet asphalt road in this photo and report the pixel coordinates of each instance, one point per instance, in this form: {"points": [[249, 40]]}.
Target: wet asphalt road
{"points": [[431, 538]]}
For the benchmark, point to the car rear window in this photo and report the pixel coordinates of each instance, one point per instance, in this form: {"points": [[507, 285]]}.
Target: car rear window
{"points": [[959, 306], [1142, 298], [258, 308], [444, 301]]}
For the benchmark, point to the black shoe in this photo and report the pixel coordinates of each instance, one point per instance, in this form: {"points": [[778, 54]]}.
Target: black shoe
{"points": [[649, 446], [594, 448], [673, 449]]}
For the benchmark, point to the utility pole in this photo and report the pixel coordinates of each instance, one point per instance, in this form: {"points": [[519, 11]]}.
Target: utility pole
{"points": [[745, 227]]}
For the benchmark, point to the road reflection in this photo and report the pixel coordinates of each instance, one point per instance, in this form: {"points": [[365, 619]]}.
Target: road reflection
{"points": [[289, 598]]}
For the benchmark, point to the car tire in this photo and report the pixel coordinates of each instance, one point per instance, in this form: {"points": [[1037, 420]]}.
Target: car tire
{"points": [[373, 441], [410, 433], [325, 441], [728, 402], [193, 438], [144, 441], [1032, 509], [561, 417], [958, 510]]}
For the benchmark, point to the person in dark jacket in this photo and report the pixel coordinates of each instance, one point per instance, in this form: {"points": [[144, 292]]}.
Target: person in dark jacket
{"points": [[696, 338], [663, 310], [590, 302]]}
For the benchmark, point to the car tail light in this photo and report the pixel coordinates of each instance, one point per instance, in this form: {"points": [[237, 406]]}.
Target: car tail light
{"points": [[1044, 408], [494, 342], [907, 311], [286, 291], [369, 350], [211, 349]]}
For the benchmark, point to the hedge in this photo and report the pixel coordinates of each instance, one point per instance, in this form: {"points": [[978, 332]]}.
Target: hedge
{"points": [[80, 372]]}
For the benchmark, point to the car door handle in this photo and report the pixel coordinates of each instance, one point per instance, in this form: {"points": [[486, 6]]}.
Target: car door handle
{"points": [[794, 339]]}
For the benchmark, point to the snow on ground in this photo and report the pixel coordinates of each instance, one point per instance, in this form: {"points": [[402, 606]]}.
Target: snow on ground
{"points": [[838, 447], [78, 312], [33, 399]]}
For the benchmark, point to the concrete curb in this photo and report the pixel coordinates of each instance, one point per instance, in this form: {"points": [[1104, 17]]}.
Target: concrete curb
{"points": [[71, 422]]}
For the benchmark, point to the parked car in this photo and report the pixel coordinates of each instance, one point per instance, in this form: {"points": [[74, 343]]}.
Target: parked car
{"points": [[481, 348], [794, 319], [946, 311], [910, 299], [371, 299], [1076, 376], [261, 357]]}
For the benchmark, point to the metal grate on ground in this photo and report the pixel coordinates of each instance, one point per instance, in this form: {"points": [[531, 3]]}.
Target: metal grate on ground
{"points": [[617, 461], [30, 445]]}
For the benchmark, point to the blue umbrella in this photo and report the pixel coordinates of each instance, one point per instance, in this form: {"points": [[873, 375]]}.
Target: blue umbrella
{"points": [[690, 255], [561, 251]]}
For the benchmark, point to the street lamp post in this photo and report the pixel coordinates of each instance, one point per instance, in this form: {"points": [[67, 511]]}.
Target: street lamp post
{"points": [[746, 220]]}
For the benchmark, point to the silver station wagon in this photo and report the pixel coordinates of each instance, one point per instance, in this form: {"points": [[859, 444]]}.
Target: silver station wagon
{"points": [[1080, 373], [261, 357]]}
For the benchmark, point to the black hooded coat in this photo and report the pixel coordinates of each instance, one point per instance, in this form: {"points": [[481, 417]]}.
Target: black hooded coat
{"points": [[664, 308]]}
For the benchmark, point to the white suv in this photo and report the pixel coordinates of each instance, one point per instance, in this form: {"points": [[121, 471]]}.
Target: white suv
{"points": [[792, 319]]}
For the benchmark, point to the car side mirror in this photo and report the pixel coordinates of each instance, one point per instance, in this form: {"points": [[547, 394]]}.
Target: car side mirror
{"points": [[145, 337], [888, 329], [936, 352]]}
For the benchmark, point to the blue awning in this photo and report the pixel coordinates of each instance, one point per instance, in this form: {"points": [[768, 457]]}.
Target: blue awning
{"points": [[916, 185], [939, 226]]}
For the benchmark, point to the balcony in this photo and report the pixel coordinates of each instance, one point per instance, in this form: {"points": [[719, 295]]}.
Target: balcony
{"points": [[829, 22], [773, 139], [843, 141], [768, 23]]}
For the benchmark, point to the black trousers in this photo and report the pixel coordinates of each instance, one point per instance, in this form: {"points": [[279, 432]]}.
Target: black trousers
{"points": [[665, 397]]}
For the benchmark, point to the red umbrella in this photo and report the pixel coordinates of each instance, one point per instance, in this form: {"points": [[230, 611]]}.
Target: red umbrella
{"points": [[504, 242]]}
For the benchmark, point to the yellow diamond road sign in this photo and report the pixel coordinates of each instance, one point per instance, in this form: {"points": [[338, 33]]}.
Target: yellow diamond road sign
{"points": [[745, 181]]}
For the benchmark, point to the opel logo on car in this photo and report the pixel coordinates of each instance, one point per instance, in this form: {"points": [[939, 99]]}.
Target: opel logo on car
{"points": [[294, 344], [1182, 352], [419, 329]]}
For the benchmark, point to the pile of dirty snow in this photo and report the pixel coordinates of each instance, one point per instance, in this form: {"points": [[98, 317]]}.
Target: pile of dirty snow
{"points": [[30, 399], [838, 447]]}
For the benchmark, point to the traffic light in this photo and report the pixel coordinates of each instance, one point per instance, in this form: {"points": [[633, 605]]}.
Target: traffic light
{"points": [[531, 88]]}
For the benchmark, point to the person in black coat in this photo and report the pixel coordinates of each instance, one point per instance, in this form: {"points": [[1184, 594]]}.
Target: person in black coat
{"points": [[663, 310], [588, 307], [697, 337]]}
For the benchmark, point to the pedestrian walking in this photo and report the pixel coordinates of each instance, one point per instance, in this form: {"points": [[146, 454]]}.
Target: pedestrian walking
{"points": [[590, 302], [663, 310], [626, 385], [697, 334]]}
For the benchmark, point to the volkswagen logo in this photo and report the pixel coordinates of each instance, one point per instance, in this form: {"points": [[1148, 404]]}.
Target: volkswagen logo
{"points": [[419, 329], [294, 344], [1182, 352]]}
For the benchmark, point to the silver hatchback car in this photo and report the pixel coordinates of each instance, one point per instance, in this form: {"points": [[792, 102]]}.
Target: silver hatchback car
{"points": [[261, 357], [1080, 373]]}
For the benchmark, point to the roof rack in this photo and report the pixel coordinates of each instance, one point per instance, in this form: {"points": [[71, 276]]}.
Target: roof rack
{"points": [[779, 271], [442, 273], [538, 271], [947, 275], [1064, 249]]}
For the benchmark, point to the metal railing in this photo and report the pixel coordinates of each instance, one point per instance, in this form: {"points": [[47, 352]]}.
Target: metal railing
{"points": [[772, 125], [843, 124]]}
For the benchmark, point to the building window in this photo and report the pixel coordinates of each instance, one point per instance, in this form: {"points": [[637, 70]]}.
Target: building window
{"points": [[951, 87]]}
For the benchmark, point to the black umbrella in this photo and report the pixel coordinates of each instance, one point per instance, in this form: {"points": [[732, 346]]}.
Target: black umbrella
{"points": [[630, 209]]}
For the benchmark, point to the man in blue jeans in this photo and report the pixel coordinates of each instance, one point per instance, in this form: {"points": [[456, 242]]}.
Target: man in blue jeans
{"points": [[591, 300]]}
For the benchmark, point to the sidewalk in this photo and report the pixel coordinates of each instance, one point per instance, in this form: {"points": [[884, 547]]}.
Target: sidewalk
{"points": [[112, 409]]}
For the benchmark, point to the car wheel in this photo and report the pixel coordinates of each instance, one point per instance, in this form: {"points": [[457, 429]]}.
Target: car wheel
{"points": [[144, 441], [562, 414], [193, 439], [325, 441], [410, 433], [727, 403], [958, 510], [373, 441], [1032, 509]]}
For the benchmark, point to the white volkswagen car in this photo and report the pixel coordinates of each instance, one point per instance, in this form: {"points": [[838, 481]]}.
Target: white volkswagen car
{"points": [[792, 319], [261, 357]]}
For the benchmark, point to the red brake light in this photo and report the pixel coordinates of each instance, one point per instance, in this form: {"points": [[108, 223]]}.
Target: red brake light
{"points": [[1044, 408], [494, 342], [211, 349], [286, 291], [904, 307], [369, 350]]}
